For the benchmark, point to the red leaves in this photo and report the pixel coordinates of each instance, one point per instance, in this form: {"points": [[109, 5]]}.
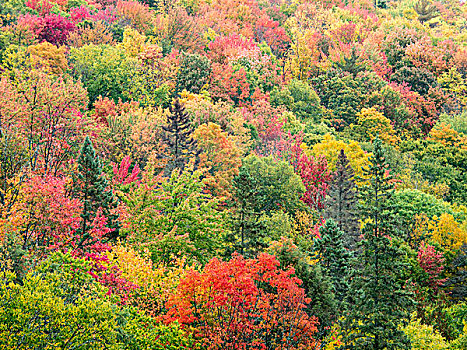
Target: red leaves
{"points": [[315, 176], [244, 303], [432, 263], [122, 175], [52, 28], [229, 84]]}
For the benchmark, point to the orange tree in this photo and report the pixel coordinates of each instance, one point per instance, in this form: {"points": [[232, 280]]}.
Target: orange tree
{"points": [[244, 304]]}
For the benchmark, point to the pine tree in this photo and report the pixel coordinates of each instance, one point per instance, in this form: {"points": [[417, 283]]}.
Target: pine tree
{"points": [[334, 258], [351, 64], [342, 200], [178, 137], [246, 237], [380, 302], [90, 185], [457, 283]]}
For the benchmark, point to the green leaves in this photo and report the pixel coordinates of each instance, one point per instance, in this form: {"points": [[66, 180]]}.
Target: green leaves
{"points": [[175, 217]]}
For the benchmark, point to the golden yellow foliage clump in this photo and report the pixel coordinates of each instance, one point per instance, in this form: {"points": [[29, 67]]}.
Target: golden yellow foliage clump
{"points": [[443, 133], [372, 123], [49, 57], [446, 231], [155, 282], [330, 148]]}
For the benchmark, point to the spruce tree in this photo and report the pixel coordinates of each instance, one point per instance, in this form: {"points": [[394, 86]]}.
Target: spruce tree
{"points": [[246, 236], [178, 137], [456, 285], [380, 302], [334, 258], [341, 201], [90, 185]]}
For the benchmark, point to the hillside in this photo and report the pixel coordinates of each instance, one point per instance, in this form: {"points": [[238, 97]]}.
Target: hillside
{"points": [[233, 174]]}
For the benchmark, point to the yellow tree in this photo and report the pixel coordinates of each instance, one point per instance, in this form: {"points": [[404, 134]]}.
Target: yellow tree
{"points": [[447, 232], [330, 148], [372, 123]]}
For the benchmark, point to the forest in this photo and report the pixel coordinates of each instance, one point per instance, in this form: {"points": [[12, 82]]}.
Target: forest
{"points": [[233, 174]]}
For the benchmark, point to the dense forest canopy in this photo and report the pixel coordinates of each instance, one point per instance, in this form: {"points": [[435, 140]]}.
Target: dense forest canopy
{"points": [[233, 174]]}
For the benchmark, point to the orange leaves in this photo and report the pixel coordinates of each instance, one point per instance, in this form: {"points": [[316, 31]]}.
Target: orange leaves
{"points": [[220, 156], [244, 303], [138, 14], [447, 136]]}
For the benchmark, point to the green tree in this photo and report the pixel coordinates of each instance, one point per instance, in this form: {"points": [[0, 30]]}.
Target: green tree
{"points": [[178, 137], [105, 70], [91, 186], [193, 73], [58, 306], [334, 258], [380, 302], [299, 98], [341, 201], [174, 217], [425, 10], [263, 186]]}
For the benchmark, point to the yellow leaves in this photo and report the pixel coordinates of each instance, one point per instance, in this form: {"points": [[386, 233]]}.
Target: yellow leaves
{"points": [[49, 57], [330, 148], [372, 123], [220, 156], [424, 337], [133, 42], [155, 282], [446, 231]]}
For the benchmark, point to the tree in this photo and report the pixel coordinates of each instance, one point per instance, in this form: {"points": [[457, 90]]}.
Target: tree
{"points": [[178, 137], [331, 148], [341, 201], [90, 185], [247, 237], [334, 258], [299, 98], [314, 173], [264, 185], [425, 10], [317, 284], [193, 73], [371, 123], [244, 304], [174, 217], [381, 303], [220, 156], [457, 283]]}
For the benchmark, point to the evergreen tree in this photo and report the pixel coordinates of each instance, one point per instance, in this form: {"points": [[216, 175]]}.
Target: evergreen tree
{"points": [[90, 185], [382, 4], [380, 301], [456, 285], [178, 137], [318, 287], [334, 258], [246, 236], [341, 201], [351, 64]]}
